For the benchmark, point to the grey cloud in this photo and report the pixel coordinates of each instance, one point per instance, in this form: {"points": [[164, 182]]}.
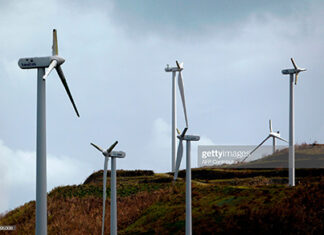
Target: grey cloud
{"points": [[188, 19], [198, 17]]}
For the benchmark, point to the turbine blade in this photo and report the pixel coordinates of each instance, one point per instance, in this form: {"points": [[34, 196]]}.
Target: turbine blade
{"points": [[256, 148], [184, 131], [180, 66], [112, 147], [50, 68], [97, 147], [179, 158], [281, 139], [260, 144], [178, 131], [63, 80], [296, 77], [54, 46], [181, 89], [293, 62], [270, 125]]}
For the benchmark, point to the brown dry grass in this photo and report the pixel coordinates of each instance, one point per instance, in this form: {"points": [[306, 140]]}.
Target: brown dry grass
{"points": [[77, 216]]}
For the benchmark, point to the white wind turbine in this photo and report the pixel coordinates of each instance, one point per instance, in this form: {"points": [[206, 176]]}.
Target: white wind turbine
{"points": [[273, 135], [174, 70], [296, 70], [40, 63], [188, 138], [113, 195]]}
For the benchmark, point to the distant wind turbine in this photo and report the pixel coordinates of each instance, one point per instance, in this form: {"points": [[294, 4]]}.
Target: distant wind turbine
{"points": [[40, 63], [296, 70], [113, 195], [272, 135], [188, 138], [178, 69]]}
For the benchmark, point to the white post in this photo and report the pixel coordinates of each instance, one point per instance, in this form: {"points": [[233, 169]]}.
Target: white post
{"points": [[104, 195], [273, 145], [113, 202], [291, 134], [173, 126], [188, 191], [41, 192]]}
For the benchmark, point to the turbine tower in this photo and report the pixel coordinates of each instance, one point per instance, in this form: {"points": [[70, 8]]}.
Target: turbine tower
{"points": [[174, 70], [40, 63], [188, 138], [295, 71], [113, 195], [273, 135]]}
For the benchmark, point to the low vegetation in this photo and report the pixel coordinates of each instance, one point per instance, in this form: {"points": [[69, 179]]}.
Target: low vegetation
{"points": [[224, 201]]}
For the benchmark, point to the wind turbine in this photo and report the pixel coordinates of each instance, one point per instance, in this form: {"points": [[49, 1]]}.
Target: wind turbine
{"points": [[174, 70], [40, 63], [272, 135], [188, 138], [113, 195], [296, 70]]}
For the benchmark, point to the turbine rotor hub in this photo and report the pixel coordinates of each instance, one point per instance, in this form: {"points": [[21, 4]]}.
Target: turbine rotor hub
{"points": [[59, 59]]}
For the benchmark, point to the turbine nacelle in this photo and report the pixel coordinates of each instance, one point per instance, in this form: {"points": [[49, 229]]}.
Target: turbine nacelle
{"points": [[274, 134], [39, 62], [191, 137], [172, 69], [183, 136], [292, 71], [117, 154]]}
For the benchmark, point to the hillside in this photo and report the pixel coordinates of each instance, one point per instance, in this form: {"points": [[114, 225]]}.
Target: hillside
{"points": [[223, 201], [306, 156]]}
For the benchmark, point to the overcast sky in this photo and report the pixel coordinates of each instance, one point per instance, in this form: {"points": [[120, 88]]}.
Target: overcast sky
{"points": [[116, 52]]}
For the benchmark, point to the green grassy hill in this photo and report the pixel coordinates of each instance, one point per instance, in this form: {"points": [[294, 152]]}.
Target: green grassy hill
{"points": [[223, 201]]}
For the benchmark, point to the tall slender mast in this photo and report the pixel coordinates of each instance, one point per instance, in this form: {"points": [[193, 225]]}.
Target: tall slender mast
{"points": [[41, 191], [291, 132], [188, 190], [113, 196], [174, 124]]}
